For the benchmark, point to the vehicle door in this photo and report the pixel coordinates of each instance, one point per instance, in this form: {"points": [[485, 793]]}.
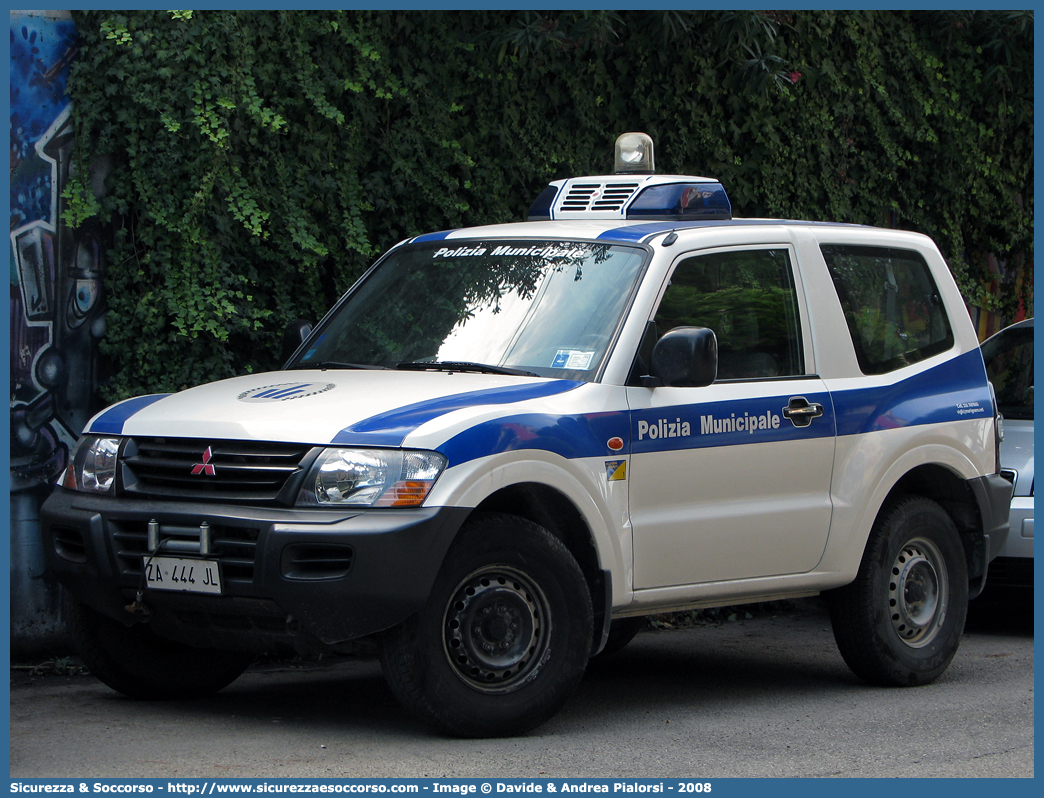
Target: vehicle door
{"points": [[732, 480]]}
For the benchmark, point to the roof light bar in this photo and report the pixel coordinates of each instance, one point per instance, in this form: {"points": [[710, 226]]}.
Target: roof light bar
{"points": [[649, 198], [634, 192], [682, 202]]}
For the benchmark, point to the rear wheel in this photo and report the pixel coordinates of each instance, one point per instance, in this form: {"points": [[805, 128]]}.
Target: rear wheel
{"points": [[136, 662], [900, 621], [503, 639]]}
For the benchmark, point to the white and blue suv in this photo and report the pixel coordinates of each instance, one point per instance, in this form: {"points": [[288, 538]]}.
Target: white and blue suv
{"points": [[506, 443]]}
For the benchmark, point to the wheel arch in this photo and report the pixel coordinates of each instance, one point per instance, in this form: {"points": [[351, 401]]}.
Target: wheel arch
{"points": [[927, 462], [556, 512], [934, 479], [952, 492]]}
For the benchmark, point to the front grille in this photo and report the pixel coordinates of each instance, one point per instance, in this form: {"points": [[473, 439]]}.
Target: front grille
{"points": [[200, 469], [234, 547], [597, 196]]}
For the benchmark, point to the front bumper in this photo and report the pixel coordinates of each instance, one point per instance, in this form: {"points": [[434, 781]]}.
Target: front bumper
{"points": [[1020, 538], [291, 578], [1014, 565]]}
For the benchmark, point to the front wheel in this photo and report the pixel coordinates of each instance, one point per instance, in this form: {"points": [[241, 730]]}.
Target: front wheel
{"points": [[900, 621], [503, 639], [138, 663]]}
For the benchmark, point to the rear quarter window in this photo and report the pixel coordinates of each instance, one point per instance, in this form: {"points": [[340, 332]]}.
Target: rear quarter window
{"points": [[891, 305]]}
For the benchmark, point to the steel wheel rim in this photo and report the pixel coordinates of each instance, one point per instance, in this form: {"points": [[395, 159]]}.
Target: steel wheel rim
{"points": [[918, 592], [496, 630]]}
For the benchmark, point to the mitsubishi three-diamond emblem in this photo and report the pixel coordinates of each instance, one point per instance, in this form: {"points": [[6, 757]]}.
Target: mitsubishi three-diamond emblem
{"points": [[205, 467]]}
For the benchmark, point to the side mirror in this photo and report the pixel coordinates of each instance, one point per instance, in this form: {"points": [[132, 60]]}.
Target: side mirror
{"points": [[685, 357], [295, 334]]}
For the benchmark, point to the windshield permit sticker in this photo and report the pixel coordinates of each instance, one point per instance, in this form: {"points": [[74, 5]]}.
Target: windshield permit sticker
{"points": [[284, 391], [311, 352], [572, 359]]}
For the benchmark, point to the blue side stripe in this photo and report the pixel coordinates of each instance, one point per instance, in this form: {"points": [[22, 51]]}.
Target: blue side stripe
{"points": [[571, 436], [392, 427], [729, 423], [576, 436], [111, 421], [954, 391]]}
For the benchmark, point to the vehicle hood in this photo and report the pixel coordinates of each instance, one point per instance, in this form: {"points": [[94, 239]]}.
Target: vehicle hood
{"points": [[1017, 454], [351, 407]]}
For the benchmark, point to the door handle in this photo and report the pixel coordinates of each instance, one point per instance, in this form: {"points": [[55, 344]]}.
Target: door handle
{"points": [[800, 411]]}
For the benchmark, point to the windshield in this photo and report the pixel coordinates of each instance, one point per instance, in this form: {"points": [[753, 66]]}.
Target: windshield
{"points": [[1009, 364], [547, 308]]}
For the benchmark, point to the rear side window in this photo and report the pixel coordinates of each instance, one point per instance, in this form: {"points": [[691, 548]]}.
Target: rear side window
{"points": [[891, 303]]}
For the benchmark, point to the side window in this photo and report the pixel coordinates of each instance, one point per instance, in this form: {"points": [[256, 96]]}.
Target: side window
{"points": [[891, 304], [748, 299]]}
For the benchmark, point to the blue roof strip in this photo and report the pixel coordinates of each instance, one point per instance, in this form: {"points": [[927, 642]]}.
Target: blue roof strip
{"points": [[641, 232]]}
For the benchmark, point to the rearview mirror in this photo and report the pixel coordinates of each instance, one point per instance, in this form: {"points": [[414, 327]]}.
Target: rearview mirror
{"points": [[295, 334], [685, 357]]}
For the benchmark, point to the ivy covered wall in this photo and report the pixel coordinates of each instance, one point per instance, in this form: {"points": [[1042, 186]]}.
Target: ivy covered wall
{"points": [[261, 160]]}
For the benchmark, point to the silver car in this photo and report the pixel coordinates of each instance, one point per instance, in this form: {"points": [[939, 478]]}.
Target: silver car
{"points": [[1009, 363]]}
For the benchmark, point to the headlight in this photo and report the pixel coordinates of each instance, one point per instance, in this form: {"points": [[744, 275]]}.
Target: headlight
{"points": [[371, 478], [93, 466]]}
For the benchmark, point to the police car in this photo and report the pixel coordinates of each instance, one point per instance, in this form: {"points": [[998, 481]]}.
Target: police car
{"points": [[506, 443]]}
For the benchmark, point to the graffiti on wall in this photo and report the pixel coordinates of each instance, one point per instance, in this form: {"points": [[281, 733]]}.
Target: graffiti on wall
{"points": [[56, 302]]}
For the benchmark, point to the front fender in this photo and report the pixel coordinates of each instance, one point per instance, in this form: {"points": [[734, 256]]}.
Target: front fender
{"points": [[585, 482]]}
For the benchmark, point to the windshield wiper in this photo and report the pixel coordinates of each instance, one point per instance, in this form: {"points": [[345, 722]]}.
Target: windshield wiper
{"points": [[463, 366]]}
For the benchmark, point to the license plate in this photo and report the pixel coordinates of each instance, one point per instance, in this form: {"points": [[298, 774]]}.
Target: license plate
{"points": [[176, 573]]}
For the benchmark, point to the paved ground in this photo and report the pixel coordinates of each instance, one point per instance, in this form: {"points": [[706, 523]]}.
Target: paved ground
{"points": [[769, 696]]}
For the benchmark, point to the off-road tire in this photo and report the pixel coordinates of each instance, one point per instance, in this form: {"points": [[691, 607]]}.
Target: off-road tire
{"points": [[900, 622], [504, 637], [140, 664]]}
